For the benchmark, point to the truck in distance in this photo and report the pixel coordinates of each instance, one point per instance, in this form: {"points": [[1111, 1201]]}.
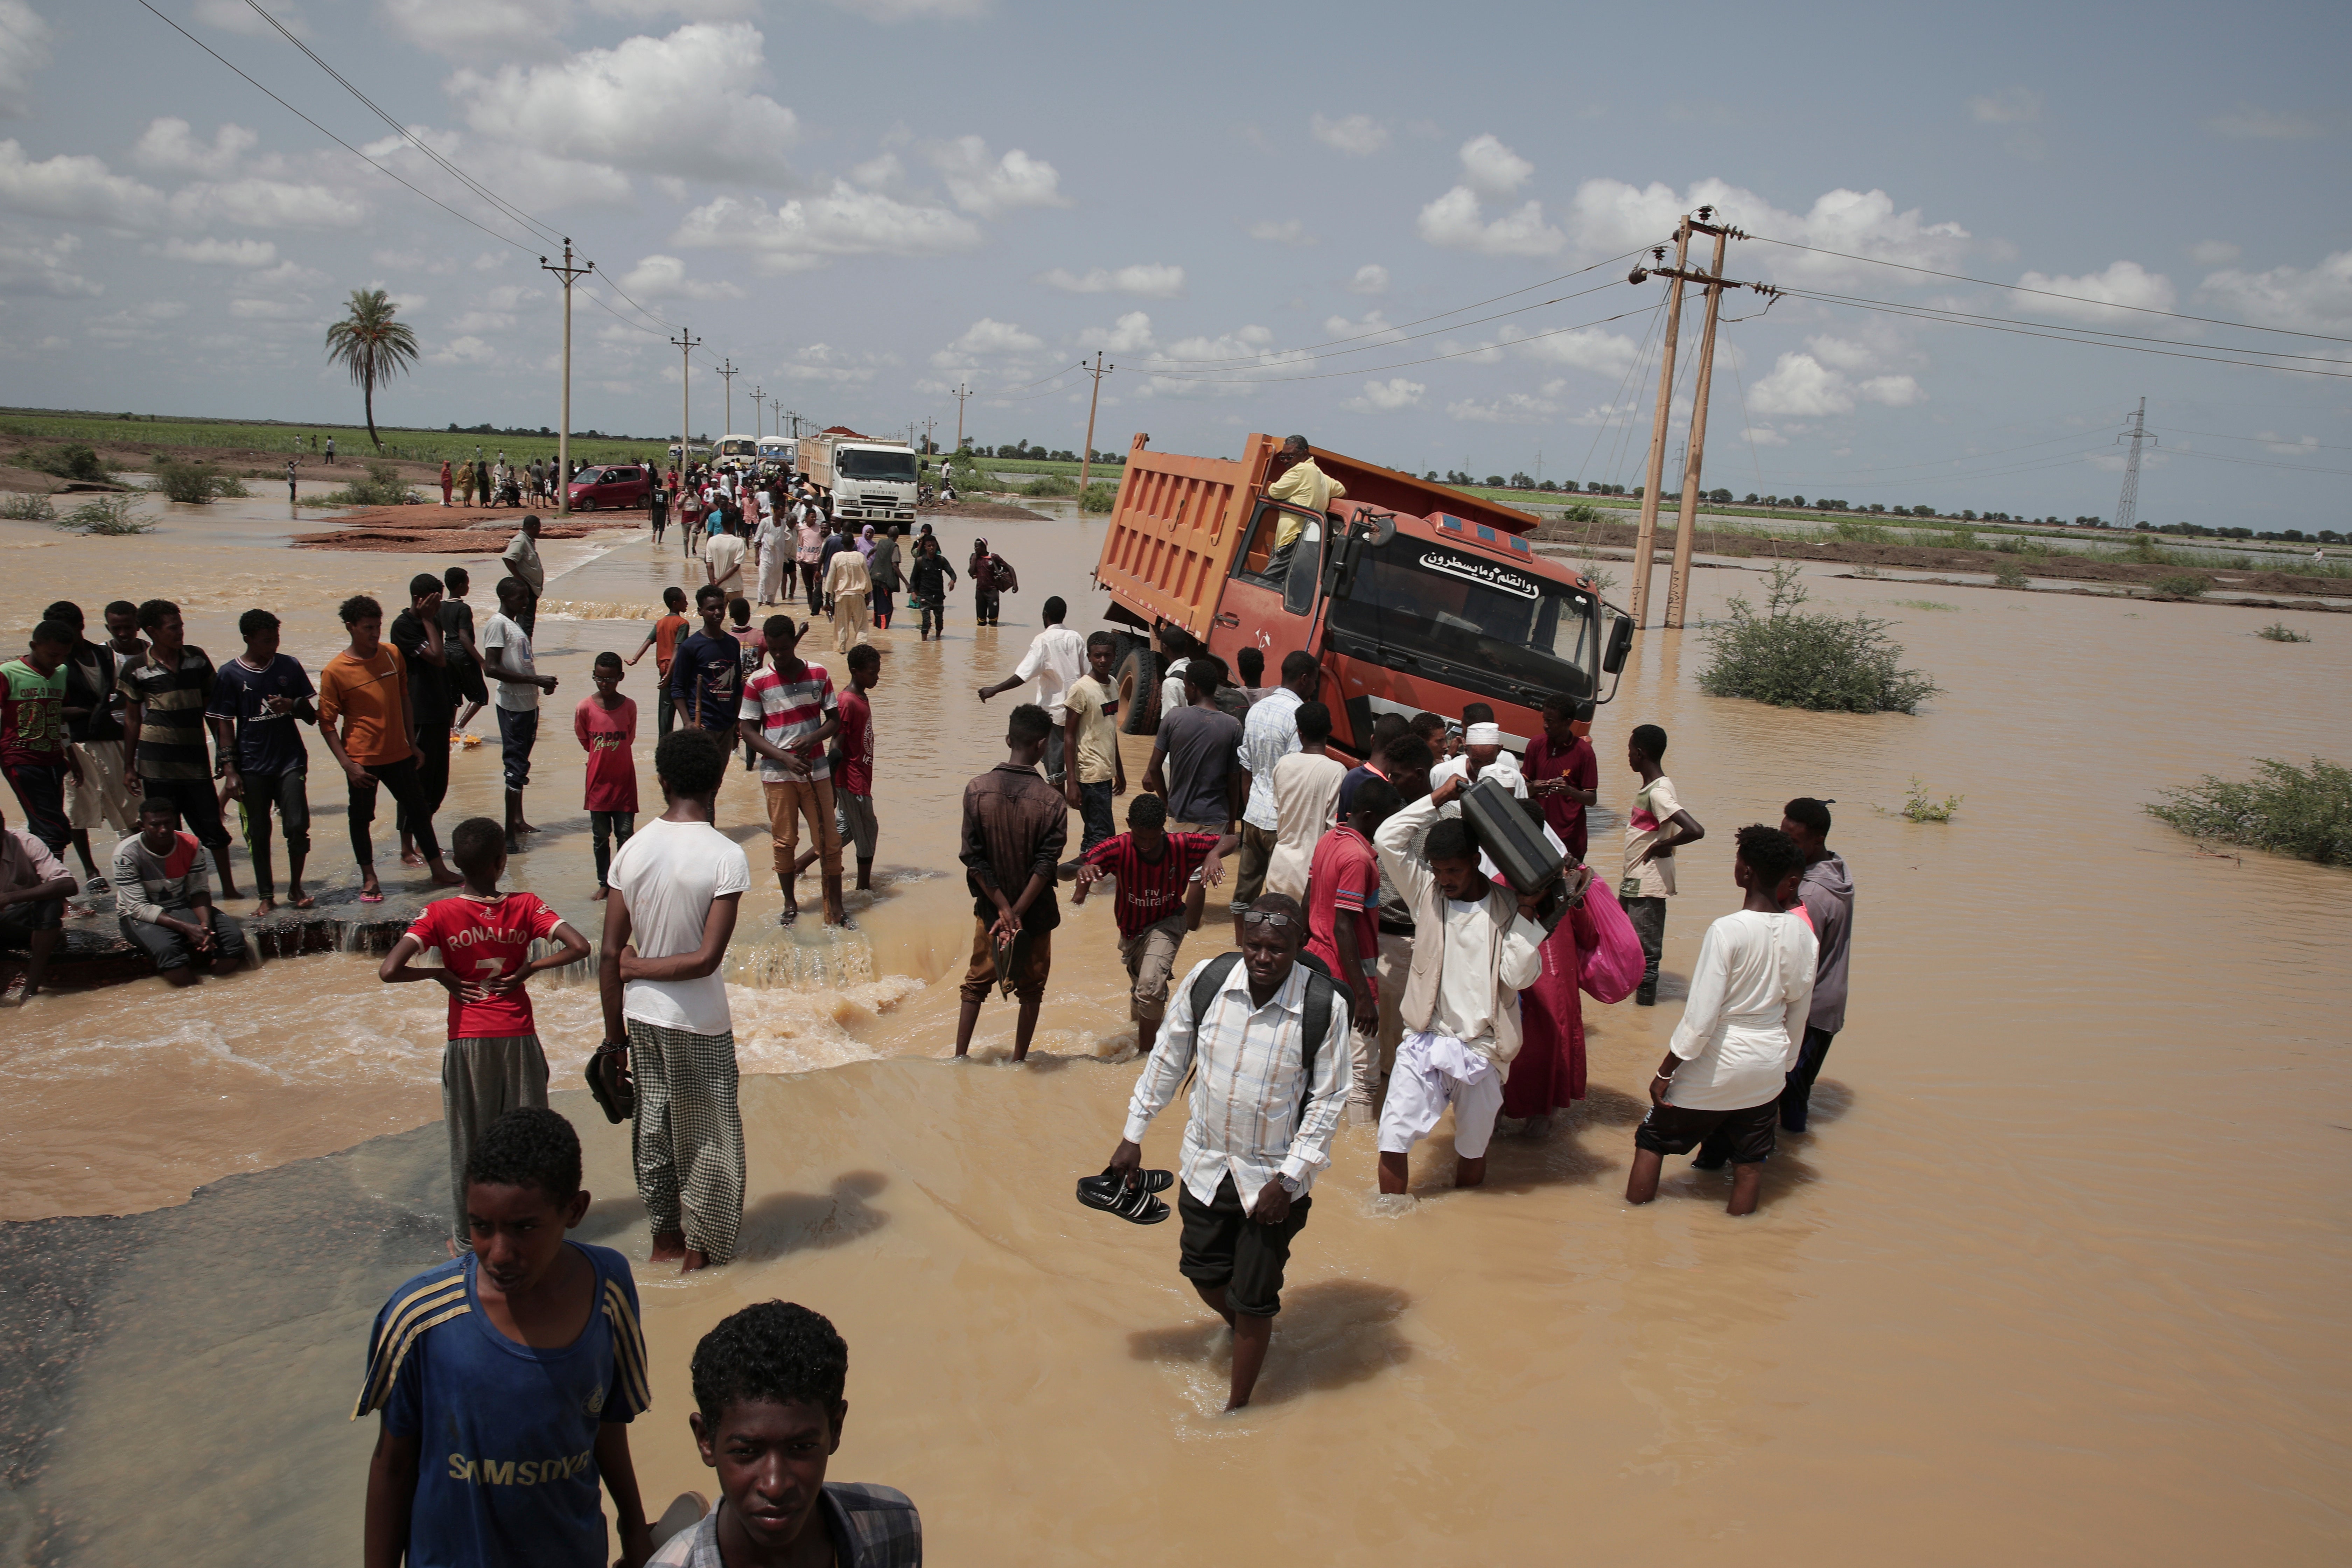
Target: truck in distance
{"points": [[867, 479], [1413, 597]]}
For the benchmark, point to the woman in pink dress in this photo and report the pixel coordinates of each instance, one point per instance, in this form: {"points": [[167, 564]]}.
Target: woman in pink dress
{"points": [[1563, 775], [1548, 1072]]}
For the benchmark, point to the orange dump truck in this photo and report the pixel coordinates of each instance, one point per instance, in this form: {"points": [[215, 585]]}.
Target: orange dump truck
{"points": [[1413, 597]]}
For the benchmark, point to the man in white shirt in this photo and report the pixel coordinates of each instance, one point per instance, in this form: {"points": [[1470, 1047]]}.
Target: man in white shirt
{"points": [[512, 667], [668, 1035], [768, 541], [722, 563], [1056, 657], [1261, 1121], [1474, 950], [1482, 757], [1269, 734], [522, 560], [1719, 1088]]}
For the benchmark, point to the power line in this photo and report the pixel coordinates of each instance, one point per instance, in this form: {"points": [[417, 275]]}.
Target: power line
{"points": [[2050, 293], [1401, 364], [2079, 332], [2261, 440]]}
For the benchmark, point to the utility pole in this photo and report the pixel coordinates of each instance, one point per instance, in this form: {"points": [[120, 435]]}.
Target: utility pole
{"points": [[1645, 537], [2134, 432], [928, 442], [1695, 450], [564, 435], [686, 343], [759, 419], [727, 372], [959, 394], [795, 431], [1086, 457]]}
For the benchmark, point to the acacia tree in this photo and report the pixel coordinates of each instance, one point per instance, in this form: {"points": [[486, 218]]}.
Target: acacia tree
{"points": [[372, 346]]}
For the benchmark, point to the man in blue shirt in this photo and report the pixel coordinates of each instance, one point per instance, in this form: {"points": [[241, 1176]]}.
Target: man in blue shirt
{"points": [[256, 698], [703, 676], [521, 1364]]}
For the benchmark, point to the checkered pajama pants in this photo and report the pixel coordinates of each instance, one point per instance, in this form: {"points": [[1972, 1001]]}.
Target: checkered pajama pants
{"points": [[689, 1134]]}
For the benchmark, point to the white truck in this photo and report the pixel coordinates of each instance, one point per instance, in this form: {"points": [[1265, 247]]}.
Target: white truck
{"points": [[867, 479]]}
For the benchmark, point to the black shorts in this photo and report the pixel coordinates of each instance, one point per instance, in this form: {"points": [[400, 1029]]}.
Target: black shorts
{"points": [[466, 677], [1745, 1135], [1222, 1246]]}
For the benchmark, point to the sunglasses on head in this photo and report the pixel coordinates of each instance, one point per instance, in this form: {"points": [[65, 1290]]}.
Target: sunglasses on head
{"points": [[1255, 918]]}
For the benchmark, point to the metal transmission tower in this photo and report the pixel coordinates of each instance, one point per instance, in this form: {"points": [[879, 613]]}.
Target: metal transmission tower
{"points": [[2134, 432]]}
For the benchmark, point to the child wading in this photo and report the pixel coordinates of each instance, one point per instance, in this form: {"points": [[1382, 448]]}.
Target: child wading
{"points": [[768, 1386], [506, 1378], [1718, 1089], [1160, 878], [606, 727], [1655, 827]]}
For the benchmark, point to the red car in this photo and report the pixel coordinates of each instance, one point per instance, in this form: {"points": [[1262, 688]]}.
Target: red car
{"points": [[617, 486]]}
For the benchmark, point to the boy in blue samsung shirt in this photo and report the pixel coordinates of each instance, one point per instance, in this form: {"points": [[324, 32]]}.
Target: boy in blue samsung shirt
{"points": [[506, 1378]]}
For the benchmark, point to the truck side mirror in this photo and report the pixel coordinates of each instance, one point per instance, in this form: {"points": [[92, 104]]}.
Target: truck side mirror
{"points": [[1621, 645]]}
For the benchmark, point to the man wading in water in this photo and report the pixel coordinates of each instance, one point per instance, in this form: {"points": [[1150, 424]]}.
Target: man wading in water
{"points": [[1272, 1038]]}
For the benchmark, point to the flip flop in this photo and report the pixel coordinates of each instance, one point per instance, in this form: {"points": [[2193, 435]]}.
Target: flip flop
{"points": [[1134, 1205], [617, 1103], [371, 898]]}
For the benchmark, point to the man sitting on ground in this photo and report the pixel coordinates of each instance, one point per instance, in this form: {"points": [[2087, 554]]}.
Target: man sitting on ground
{"points": [[163, 899], [34, 888]]}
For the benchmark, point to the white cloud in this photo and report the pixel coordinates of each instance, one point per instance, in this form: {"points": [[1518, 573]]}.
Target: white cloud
{"points": [[2213, 253], [1456, 221], [1386, 397], [687, 10], [987, 188], [138, 322], [2097, 293], [77, 187], [1374, 327], [1359, 135], [1801, 387], [664, 277], [889, 11], [1149, 280], [1606, 216], [2010, 106], [1586, 348], [800, 235], [1131, 334], [467, 28], [271, 309], [169, 146], [2318, 299], [482, 321], [266, 204], [1893, 391], [39, 267], [650, 104], [1493, 170], [1287, 231], [1371, 278], [1512, 408], [463, 351], [990, 336], [884, 172], [2250, 123], [24, 55], [221, 252], [826, 364]]}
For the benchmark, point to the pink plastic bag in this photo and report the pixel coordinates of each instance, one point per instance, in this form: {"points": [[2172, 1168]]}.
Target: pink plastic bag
{"points": [[1612, 968]]}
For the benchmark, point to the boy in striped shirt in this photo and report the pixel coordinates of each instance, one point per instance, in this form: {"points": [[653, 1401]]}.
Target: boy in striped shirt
{"points": [[1162, 879]]}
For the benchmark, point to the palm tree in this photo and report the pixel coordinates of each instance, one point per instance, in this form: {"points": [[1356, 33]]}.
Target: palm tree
{"points": [[372, 346]]}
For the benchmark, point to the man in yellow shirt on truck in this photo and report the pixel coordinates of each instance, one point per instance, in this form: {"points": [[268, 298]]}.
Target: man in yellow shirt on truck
{"points": [[1301, 484]]}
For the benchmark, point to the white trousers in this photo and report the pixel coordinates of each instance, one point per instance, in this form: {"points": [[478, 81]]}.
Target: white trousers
{"points": [[1433, 1072]]}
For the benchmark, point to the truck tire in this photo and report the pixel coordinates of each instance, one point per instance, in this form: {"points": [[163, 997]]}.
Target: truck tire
{"points": [[1140, 662]]}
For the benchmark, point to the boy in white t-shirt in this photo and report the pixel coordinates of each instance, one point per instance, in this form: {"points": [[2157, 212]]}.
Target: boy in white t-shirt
{"points": [[1718, 1089], [1655, 824], [668, 1035]]}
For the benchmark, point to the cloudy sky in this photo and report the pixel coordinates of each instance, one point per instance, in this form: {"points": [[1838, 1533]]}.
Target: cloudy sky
{"points": [[1403, 231]]}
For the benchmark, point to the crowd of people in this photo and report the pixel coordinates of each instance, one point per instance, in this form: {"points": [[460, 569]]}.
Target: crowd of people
{"points": [[1387, 969]]}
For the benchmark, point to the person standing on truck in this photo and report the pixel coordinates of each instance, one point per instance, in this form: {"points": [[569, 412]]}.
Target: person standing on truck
{"points": [[1297, 482], [1056, 657], [1193, 762]]}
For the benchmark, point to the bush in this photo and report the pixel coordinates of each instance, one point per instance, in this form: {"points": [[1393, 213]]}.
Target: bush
{"points": [[382, 487], [1102, 496], [2009, 574], [1924, 605], [196, 483], [1924, 808], [2181, 586], [1827, 663], [1581, 511], [34, 507], [71, 462], [107, 515], [2279, 631], [2284, 809], [1048, 485]]}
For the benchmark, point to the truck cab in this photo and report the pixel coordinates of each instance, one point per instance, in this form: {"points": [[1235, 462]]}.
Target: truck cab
{"points": [[1413, 597], [867, 481]]}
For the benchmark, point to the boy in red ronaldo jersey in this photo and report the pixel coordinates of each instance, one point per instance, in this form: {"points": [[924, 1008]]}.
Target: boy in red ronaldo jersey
{"points": [[1159, 877], [493, 1062]]}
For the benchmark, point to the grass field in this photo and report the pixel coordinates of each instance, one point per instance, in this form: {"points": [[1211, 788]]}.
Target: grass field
{"points": [[281, 440]]}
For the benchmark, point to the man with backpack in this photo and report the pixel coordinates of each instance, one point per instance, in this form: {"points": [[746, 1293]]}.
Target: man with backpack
{"points": [[1270, 1033]]}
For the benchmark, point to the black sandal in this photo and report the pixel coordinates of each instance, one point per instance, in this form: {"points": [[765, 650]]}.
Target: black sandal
{"points": [[1134, 1204]]}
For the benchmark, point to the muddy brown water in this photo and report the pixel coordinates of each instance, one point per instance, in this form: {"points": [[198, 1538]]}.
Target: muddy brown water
{"points": [[2059, 1275]]}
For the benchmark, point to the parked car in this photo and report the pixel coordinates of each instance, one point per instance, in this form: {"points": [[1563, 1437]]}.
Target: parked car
{"points": [[615, 486]]}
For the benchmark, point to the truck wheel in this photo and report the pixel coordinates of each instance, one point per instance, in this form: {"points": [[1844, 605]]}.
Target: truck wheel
{"points": [[1142, 716]]}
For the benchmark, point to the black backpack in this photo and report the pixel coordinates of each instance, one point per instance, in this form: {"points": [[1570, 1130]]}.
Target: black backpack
{"points": [[1320, 986]]}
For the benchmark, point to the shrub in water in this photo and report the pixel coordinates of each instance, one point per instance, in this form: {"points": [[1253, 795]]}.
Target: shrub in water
{"points": [[1045, 484], [2285, 809], [107, 515], [2184, 586], [2277, 631], [382, 487], [34, 507], [71, 462], [1102, 496], [195, 483], [1924, 808], [1829, 663], [2009, 574]]}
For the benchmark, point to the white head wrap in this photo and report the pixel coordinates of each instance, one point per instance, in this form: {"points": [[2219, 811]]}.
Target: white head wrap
{"points": [[1483, 735]]}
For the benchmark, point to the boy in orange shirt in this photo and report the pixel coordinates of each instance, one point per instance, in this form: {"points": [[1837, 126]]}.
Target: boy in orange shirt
{"points": [[364, 717]]}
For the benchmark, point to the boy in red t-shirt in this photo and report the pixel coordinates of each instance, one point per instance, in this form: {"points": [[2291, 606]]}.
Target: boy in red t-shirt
{"points": [[1160, 878], [493, 1061], [607, 726], [852, 796]]}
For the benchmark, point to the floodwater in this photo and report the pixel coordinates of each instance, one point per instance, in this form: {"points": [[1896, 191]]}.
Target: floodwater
{"points": [[2060, 1274]]}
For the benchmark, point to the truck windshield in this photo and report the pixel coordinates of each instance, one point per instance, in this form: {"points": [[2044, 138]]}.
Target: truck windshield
{"points": [[865, 463], [1495, 623]]}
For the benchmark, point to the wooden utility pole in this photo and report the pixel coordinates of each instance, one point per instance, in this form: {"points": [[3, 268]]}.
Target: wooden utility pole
{"points": [[727, 372], [1695, 452], [563, 435], [759, 414], [1086, 457], [1645, 537], [686, 343], [959, 394]]}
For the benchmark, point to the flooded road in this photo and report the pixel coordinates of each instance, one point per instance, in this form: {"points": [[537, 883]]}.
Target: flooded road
{"points": [[2059, 1275]]}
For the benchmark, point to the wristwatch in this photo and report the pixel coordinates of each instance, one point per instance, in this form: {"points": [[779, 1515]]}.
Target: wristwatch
{"points": [[1291, 1184]]}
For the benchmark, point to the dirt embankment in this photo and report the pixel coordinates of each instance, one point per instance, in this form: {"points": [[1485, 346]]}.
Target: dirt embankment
{"points": [[979, 511], [450, 530], [1927, 558]]}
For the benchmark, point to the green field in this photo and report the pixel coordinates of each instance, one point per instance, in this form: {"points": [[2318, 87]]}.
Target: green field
{"points": [[279, 440]]}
